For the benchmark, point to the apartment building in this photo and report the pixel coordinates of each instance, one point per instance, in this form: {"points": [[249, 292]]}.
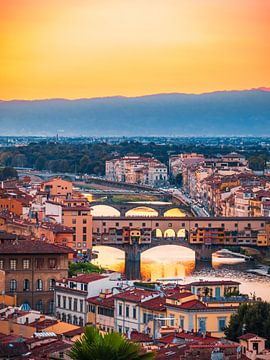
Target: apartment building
{"points": [[137, 170], [71, 295], [31, 269]]}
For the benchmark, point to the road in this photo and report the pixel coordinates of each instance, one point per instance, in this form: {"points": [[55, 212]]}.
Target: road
{"points": [[197, 209]]}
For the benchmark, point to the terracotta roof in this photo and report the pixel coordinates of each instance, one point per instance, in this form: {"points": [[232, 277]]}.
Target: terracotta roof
{"points": [[32, 247], [156, 304], [134, 295], [190, 305], [247, 336], [87, 278], [140, 337], [107, 302], [74, 332], [214, 282]]}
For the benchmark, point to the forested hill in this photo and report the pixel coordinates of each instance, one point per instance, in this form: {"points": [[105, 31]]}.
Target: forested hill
{"points": [[219, 113]]}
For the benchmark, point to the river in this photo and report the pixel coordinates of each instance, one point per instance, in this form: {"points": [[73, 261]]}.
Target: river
{"points": [[170, 261]]}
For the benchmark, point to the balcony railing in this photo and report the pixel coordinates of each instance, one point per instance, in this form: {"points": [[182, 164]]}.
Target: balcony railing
{"points": [[238, 298]]}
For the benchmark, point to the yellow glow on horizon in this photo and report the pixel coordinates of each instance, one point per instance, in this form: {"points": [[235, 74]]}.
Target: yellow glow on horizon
{"points": [[87, 48]]}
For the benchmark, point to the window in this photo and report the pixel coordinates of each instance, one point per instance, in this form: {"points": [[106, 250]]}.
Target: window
{"points": [[202, 324], [127, 311], [221, 324], [130, 224], [84, 229], [13, 285], [39, 263], [120, 309], [64, 302], [26, 285], [26, 264], [75, 304], [120, 329], [84, 221], [81, 306], [172, 320], [13, 264], [84, 237], [39, 284], [75, 320], [144, 318], [1, 264], [58, 300], [39, 306], [51, 284], [73, 221], [134, 313], [182, 322], [51, 307]]}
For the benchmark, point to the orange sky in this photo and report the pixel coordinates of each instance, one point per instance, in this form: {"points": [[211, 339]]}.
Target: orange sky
{"points": [[87, 48]]}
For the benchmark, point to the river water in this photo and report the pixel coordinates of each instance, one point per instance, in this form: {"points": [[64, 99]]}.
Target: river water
{"points": [[176, 262]]}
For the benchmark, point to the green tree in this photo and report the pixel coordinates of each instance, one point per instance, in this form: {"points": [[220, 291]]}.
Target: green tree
{"points": [[252, 317], [83, 268], [8, 173], [113, 346]]}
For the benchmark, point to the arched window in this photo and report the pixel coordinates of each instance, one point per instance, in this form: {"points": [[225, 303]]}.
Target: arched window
{"points": [[64, 317], [80, 321], [69, 319], [26, 285], [39, 306], [51, 284], [39, 285], [13, 285], [75, 320]]}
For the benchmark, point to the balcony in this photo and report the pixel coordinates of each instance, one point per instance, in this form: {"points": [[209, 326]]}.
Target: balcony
{"points": [[226, 299]]}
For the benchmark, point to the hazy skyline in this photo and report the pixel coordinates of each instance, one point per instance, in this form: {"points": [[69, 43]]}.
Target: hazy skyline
{"points": [[92, 48]]}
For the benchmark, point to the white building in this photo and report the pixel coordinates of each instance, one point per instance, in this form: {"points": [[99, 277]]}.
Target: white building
{"points": [[71, 295]]}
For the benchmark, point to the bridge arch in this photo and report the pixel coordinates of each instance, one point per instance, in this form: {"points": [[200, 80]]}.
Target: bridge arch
{"points": [[105, 210], [156, 233], [174, 212], [169, 233], [146, 211]]}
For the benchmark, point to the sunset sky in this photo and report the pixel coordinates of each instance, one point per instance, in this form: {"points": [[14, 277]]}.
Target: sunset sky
{"points": [[89, 48]]}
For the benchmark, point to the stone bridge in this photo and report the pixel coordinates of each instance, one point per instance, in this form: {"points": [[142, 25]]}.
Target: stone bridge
{"points": [[160, 209], [133, 252]]}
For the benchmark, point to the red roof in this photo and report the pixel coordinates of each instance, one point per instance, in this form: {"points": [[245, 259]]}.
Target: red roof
{"points": [[87, 278], [140, 337], [156, 304], [190, 305], [247, 336], [135, 295], [32, 247], [214, 282], [107, 302]]}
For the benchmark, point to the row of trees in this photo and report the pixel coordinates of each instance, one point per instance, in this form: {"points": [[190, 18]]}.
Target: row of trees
{"points": [[90, 158]]}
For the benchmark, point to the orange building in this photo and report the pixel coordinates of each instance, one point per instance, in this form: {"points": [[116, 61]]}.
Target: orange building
{"points": [[79, 218], [57, 187], [14, 205]]}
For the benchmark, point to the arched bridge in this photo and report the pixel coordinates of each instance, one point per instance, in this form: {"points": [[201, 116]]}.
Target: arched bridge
{"points": [[154, 209]]}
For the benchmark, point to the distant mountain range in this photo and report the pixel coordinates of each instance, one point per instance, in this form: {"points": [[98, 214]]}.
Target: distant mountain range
{"points": [[244, 112]]}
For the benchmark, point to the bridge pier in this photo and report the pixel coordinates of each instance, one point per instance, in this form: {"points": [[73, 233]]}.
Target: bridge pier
{"points": [[133, 262]]}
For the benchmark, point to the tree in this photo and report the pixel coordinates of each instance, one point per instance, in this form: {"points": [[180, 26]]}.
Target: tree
{"points": [[8, 173], [83, 268], [252, 317], [113, 346]]}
